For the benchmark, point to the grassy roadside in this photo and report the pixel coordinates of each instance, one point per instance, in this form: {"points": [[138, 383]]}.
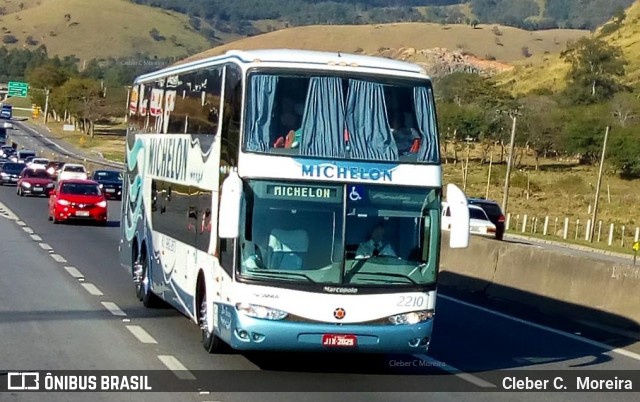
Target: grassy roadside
{"points": [[108, 141]]}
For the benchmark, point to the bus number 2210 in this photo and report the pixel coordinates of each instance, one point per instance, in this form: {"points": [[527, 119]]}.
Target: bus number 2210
{"points": [[411, 301]]}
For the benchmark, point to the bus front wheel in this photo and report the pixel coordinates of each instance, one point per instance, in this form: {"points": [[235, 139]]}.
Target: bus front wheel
{"points": [[210, 341], [143, 282]]}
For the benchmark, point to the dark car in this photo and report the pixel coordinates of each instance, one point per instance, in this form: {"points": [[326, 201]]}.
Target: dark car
{"points": [[110, 182], [494, 212], [6, 151], [10, 173]]}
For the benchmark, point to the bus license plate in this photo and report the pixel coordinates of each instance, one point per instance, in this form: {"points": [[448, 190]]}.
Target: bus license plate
{"points": [[339, 341]]}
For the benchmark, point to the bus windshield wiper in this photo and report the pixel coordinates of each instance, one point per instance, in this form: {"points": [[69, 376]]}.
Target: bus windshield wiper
{"points": [[387, 274], [276, 274]]}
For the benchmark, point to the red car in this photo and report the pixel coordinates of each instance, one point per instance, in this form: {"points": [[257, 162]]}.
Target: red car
{"points": [[78, 199], [35, 182]]}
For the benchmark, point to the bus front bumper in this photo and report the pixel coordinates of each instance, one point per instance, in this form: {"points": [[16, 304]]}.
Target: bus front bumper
{"points": [[248, 333]]}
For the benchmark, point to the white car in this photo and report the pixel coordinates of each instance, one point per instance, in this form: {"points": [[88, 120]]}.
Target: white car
{"points": [[479, 223], [38, 163], [72, 171]]}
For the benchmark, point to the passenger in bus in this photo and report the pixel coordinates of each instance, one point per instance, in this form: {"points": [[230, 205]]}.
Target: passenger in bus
{"points": [[376, 245], [289, 123], [406, 137]]}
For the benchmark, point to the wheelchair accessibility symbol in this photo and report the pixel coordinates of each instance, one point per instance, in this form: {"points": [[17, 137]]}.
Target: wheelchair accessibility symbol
{"points": [[354, 195]]}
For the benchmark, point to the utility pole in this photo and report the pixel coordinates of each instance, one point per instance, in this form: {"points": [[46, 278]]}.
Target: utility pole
{"points": [[505, 197], [486, 194], [595, 202], [46, 107]]}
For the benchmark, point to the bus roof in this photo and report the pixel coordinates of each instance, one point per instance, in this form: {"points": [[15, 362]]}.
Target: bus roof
{"points": [[290, 57]]}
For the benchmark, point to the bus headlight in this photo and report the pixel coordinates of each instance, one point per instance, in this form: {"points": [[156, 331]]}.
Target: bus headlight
{"points": [[262, 312], [414, 317]]}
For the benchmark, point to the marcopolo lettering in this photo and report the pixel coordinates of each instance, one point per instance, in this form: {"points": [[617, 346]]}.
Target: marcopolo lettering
{"points": [[303, 192], [168, 157], [343, 172]]}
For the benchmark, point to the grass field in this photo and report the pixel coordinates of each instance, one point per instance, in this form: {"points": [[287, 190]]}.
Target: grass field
{"points": [[559, 189], [371, 39], [101, 29]]}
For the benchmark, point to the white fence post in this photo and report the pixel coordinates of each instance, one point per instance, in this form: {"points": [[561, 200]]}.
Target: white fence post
{"points": [[546, 225], [555, 227], [524, 223], [637, 236], [566, 228], [611, 234], [599, 230], [586, 232], [508, 221], [577, 228], [622, 237]]}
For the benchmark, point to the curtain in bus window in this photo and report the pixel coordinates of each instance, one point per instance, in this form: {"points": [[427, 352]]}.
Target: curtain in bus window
{"points": [[263, 91], [428, 151], [323, 120], [366, 117]]}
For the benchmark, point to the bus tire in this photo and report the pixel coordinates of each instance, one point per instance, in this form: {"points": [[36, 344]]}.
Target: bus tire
{"points": [[143, 288], [210, 341]]}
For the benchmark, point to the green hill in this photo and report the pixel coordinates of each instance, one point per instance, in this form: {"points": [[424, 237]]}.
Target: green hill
{"points": [[549, 71], [97, 29]]}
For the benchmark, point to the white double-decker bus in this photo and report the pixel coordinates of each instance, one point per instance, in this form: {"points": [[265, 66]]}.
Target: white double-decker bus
{"points": [[289, 200]]}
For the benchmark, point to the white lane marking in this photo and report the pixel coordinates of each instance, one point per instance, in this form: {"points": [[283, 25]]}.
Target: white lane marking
{"points": [[73, 271], [114, 309], [178, 368], [92, 289], [142, 335], [126, 320], [35, 237], [45, 246], [27, 229], [597, 344], [20, 223], [58, 258], [458, 373]]}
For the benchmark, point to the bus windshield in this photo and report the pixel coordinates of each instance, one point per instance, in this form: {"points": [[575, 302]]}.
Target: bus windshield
{"points": [[364, 235], [364, 117]]}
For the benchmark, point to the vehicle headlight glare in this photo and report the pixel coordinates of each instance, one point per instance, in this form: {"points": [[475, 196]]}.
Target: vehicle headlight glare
{"points": [[262, 312], [26, 185], [102, 204], [414, 317], [63, 202]]}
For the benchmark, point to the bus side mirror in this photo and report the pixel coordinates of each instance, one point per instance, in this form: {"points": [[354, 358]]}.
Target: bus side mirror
{"points": [[230, 206], [457, 200]]}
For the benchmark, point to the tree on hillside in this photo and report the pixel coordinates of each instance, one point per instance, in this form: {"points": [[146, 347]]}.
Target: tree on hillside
{"points": [[82, 98], [540, 125], [596, 68]]}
